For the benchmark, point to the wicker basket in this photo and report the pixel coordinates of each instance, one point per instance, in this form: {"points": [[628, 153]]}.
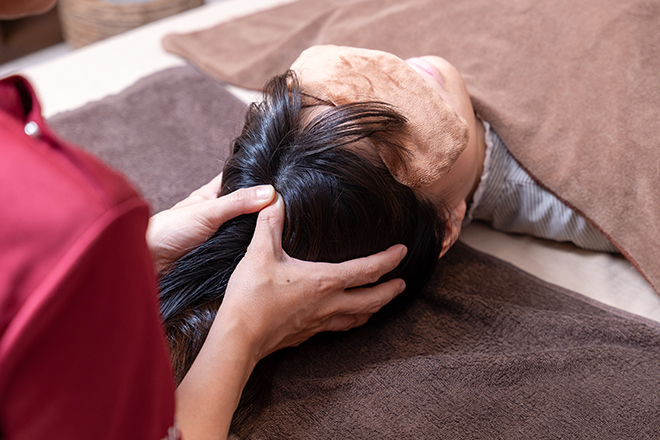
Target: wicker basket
{"points": [[87, 21]]}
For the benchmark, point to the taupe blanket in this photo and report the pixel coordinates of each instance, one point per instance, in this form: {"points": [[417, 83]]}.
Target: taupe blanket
{"points": [[147, 132], [572, 87], [486, 351]]}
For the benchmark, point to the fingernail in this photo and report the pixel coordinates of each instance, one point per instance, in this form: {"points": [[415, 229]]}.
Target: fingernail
{"points": [[402, 287], [404, 251], [265, 192]]}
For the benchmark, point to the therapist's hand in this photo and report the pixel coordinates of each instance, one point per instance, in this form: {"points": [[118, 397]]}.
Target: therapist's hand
{"points": [[274, 301], [283, 301], [175, 231]]}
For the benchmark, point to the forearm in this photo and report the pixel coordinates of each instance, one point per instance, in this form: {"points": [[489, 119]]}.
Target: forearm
{"points": [[209, 394]]}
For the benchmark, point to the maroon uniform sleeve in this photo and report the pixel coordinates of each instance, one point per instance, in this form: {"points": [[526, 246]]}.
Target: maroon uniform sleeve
{"points": [[82, 353]]}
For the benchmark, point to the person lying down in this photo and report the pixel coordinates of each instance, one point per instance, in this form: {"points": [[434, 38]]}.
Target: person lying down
{"points": [[367, 151]]}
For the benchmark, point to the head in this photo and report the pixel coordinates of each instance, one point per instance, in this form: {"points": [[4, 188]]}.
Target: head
{"points": [[341, 202], [444, 146]]}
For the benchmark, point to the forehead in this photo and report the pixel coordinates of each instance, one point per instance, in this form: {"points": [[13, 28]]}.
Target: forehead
{"points": [[436, 133]]}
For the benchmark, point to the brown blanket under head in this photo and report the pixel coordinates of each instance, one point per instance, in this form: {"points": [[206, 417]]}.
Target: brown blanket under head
{"points": [[572, 87], [486, 351], [146, 132]]}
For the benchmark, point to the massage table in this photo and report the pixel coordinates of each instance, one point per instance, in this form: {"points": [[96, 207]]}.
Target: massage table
{"points": [[98, 71]]}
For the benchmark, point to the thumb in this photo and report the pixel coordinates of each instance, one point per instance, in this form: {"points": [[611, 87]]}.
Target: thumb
{"points": [[213, 213], [268, 232]]}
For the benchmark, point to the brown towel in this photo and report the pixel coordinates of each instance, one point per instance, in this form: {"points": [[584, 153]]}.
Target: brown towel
{"points": [[146, 132], [571, 87], [486, 351]]}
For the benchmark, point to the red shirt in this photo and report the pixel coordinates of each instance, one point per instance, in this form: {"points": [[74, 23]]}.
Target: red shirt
{"points": [[82, 351]]}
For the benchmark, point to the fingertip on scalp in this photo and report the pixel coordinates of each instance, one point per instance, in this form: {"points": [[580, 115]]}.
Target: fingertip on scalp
{"points": [[279, 201], [265, 192], [274, 211], [403, 251], [400, 250]]}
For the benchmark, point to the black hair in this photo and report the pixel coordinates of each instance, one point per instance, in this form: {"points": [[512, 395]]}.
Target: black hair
{"points": [[340, 201]]}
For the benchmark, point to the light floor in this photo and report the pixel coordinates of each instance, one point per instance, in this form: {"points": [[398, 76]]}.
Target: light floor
{"points": [[34, 58]]}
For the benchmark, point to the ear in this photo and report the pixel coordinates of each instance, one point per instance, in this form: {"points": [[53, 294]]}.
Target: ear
{"points": [[453, 227]]}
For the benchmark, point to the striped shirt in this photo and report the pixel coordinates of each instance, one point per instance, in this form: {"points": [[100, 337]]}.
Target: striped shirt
{"points": [[511, 201]]}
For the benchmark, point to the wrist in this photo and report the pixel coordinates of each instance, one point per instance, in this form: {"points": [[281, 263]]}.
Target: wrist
{"points": [[231, 333], [210, 392]]}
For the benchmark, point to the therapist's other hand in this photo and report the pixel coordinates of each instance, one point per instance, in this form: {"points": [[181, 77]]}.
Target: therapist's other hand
{"points": [[174, 232], [278, 301]]}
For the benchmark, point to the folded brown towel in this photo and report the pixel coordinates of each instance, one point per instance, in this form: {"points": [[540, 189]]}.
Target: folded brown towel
{"points": [[571, 87], [146, 132], [486, 351]]}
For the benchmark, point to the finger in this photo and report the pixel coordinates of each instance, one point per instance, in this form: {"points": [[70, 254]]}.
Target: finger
{"points": [[369, 269], [268, 231], [213, 213], [367, 299]]}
